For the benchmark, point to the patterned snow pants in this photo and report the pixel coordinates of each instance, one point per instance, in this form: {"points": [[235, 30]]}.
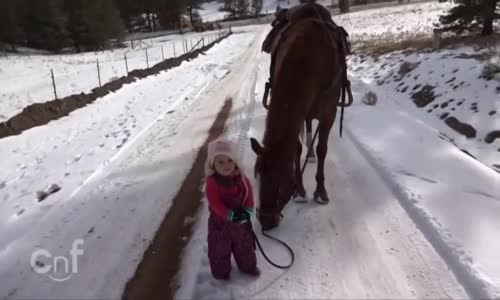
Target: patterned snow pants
{"points": [[224, 238]]}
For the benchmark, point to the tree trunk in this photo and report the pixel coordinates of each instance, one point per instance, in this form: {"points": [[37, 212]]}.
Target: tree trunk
{"points": [[344, 6], [150, 25], [487, 26], [489, 14], [190, 8]]}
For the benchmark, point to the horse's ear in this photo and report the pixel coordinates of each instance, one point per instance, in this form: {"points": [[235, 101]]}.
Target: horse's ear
{"points": [[256, 147]]}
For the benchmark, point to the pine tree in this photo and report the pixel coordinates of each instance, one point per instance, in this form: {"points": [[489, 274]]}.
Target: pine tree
{"points": [[191, 9], [10, 29], [93, 23], [150, 8], [77, 27], [471, 15], [45, 25], [169, 12], [110, 23], [128, 10], [257, 6], [241, 7], [344, 6], [230, 6]]}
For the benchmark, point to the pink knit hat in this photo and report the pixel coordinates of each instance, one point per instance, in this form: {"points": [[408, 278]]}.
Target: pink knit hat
{"points": [[220, 147]]}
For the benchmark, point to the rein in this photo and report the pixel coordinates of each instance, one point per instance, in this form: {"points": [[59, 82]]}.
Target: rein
{"points": [[292, 255]]}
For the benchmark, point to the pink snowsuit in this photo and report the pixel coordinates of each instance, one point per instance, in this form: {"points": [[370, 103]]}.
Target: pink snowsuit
{"points": [[226, 193]]}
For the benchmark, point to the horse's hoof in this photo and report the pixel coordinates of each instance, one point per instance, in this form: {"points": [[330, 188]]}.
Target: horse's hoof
{"points": [[300, 198], [321, 198], [312, 159]]}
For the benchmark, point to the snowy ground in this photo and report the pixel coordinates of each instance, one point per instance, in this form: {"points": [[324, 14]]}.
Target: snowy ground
{"points": [[27, 79], [210, 10], [453, 199], [411, 215], [459, 91], [112, 160], [360, 246], [386, 25]]}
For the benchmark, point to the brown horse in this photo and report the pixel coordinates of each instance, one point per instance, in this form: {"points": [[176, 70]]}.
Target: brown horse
{"points": [[309, 74]]}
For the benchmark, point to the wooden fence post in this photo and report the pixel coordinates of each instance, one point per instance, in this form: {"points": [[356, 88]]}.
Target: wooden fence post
{"points": [[126, 63], [99, 73], [54, 83]]}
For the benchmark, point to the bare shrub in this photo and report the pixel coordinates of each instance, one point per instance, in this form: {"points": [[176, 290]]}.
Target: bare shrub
{"points": [[370, 98]]}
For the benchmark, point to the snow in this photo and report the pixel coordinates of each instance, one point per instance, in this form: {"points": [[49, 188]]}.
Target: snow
{"points": [[452, 198], [443, 201], [112, 159], [210, 12], [359, 246], [386, 25], [459, 91], [27, 79], [411, 215], [269, 6]]}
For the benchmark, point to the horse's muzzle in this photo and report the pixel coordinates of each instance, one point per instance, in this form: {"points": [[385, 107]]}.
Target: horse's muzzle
{"points": [[269, 221]]}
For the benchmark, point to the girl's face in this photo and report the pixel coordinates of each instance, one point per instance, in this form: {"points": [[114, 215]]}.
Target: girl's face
{"points": [[224, 165]]}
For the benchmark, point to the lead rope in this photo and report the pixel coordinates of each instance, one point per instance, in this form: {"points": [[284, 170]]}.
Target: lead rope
{"points": [[292, 255]]}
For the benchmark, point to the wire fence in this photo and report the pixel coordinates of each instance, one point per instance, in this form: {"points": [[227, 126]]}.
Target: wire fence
{"points": [[143, 54]]}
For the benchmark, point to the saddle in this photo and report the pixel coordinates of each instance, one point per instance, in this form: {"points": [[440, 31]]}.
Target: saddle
{"points": [[285, 18]]}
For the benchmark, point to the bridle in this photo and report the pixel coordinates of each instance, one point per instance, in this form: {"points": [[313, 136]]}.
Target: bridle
{"points": [[276, 200]]}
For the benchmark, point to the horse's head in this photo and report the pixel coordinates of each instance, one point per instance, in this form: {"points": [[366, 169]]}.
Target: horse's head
{"points": [[276, 181]]}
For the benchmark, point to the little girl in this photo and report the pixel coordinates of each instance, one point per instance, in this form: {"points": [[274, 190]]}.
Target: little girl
{"points": [[230, 197]]}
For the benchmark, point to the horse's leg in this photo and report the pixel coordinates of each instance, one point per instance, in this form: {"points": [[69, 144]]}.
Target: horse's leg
{"points": [[311, 156], [300, 192], [320, 195]]}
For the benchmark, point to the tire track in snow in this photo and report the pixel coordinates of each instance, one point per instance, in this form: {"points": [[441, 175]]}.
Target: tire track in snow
{"points": [[131, 142], [244, 105]]}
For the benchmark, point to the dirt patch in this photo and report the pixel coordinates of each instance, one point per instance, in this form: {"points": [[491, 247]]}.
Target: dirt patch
{"points": [[446, 138], [451, 80], [462, 128], [423, 42], [383, 47], [406, 67], [468, 153], [492, 136], [424, 96], [38, 114], [480, 56], [489, 71], [156, 275]]}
